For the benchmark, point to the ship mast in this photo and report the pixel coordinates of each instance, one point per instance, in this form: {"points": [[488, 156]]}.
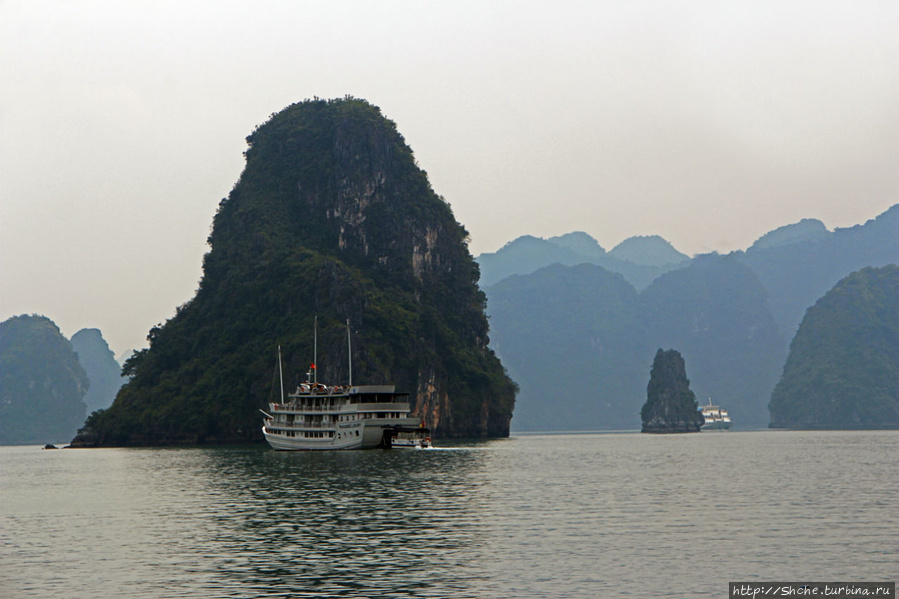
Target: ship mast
{"points": [[315, 352], [349, 346], [281, 374]]}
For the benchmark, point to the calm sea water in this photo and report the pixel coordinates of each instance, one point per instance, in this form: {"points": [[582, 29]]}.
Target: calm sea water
{"points": [[578, 515]]}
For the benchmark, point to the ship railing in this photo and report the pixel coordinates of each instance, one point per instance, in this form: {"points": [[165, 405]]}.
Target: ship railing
{"points": [[302, 408], [396, 406], [320, 392], [301, 426]]}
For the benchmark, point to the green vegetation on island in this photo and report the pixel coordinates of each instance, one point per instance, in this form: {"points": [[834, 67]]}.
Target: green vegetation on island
{"points": [[843, 366], [330, 218], [670, 405], [41, 383]]}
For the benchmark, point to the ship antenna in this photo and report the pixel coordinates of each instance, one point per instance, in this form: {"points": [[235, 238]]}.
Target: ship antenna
{"points": [[349, 346], [281, 374]]}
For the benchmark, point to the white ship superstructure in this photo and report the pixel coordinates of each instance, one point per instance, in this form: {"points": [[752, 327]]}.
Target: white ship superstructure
{"points": [[716, 418], [318, 416]]}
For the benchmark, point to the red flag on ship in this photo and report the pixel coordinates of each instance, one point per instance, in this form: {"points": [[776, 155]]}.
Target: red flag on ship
{"points": [[312, 366]]}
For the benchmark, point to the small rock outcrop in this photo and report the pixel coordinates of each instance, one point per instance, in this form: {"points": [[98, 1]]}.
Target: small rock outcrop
{"points": [[670, 405]]}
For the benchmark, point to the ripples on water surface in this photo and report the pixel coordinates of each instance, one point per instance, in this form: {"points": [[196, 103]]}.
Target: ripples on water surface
{"points": [[592, 515]]}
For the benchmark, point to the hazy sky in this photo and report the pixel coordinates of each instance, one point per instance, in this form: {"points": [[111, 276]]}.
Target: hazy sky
{"points": [[122, 125]]}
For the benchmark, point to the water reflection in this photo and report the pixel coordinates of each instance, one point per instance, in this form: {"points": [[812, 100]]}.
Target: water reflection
{"points": [[389, 523], [619, 515]]}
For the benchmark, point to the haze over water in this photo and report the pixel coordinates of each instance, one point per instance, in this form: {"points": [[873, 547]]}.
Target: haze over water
{"points": [[575, 515]]}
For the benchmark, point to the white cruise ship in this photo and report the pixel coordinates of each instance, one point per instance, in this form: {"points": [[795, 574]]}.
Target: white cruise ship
{"points": [[716, 418], [318, 416]]}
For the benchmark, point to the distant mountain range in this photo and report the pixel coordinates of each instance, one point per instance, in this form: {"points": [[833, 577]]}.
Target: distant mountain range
{"points": [[48, 384], [42, 383], [577, 327], [103, 371], [799, 263], [639, 259]]}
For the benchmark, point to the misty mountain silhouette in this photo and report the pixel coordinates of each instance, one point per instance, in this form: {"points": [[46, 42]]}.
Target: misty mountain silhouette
{"points": [[579, 339]]}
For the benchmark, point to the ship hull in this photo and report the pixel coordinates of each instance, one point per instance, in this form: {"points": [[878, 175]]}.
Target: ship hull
{"points": [[715, 426], [349, 439]]}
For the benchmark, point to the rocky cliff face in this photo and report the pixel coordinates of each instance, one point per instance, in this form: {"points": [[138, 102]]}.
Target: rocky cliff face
{"points": [[331, 218]]}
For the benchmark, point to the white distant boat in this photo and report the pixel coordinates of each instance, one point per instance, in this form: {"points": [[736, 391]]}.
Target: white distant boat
{"points": [[328, 417], [404, 437], [716, 418]]}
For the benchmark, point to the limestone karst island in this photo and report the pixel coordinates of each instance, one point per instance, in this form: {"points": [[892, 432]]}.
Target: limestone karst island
{"points": [[333, 219], [670, 404]]}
